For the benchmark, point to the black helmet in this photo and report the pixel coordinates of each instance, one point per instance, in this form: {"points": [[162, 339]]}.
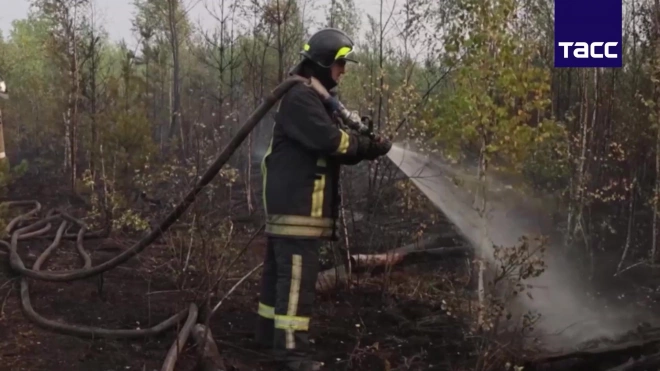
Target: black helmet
{"points": [[328, 45]]}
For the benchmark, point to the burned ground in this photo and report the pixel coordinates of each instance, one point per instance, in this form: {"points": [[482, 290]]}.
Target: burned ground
{"points": [[365, 328], [394, 320]]}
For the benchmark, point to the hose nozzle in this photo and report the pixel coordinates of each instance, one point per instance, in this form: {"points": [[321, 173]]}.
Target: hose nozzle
{"points": [[351, 119]]}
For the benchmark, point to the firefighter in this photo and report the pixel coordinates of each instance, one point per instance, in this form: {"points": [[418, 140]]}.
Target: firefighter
{"points": [[301, 196]]}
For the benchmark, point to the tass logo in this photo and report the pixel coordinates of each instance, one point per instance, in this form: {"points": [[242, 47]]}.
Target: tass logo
{"points": [[588, 33], [588, 50]]}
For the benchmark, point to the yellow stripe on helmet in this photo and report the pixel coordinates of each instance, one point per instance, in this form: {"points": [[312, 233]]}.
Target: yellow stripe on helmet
{"points": [[343, 52]]}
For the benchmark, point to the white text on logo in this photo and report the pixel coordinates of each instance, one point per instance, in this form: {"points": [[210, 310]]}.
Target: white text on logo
{"points": [[586, 50]]}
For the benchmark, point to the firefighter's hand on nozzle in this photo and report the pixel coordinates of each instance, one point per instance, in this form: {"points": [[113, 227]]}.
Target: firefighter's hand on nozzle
{"points": [[383, 145], [366, 120], [372, 148]]}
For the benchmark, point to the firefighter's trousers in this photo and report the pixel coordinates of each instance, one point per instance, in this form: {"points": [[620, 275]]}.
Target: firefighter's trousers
{"points": [[287, 296]]}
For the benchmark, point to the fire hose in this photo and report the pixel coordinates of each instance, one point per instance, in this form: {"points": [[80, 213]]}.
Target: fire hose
{"points": [[351, 119], [39, 228]]}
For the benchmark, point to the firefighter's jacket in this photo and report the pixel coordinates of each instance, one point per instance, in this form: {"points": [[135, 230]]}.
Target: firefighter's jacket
{"points": [[301, 167]]}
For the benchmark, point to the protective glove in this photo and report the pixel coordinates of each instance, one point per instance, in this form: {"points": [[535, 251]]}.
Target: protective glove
{"points": [[382, 146], [366, 120], [371, 149]]}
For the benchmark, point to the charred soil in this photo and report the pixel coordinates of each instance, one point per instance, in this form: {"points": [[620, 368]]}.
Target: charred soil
{"points": [[383, 323], [370, 327]]}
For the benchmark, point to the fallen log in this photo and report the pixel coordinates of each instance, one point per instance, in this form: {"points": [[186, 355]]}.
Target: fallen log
{"points": [[617, 357], [177, 347], [641, 364], [207, 350], [415, 252]]}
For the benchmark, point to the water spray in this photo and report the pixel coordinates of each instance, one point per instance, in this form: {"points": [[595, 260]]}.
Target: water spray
{"points": [[569, 317]]}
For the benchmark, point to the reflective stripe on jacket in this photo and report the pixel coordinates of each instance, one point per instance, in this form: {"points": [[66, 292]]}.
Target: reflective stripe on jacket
{"points": [[301, 167]]}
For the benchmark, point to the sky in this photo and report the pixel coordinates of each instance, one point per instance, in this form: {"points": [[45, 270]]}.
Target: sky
{"points": [[116, 15]]}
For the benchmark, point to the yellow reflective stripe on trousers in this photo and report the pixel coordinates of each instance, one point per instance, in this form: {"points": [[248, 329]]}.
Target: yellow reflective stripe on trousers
{"points": [[298, 230], [266, 311], [343, 142], [299, 225], [300, 220], [294, 296], [292, 323], [317, 196]]}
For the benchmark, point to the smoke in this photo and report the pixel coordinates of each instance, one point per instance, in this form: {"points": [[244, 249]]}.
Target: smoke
{"points": [[258, 151], [569, 314], [261, 141]]}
